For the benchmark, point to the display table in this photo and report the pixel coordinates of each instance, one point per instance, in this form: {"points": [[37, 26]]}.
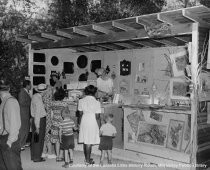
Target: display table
{"points": [[163, 132]]}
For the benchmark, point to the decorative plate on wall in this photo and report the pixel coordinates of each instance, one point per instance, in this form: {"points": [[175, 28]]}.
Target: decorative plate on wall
{"points": [[54, 60], [82, 61]]}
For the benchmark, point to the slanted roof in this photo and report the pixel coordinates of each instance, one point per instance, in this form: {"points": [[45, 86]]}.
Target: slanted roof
{"points": [[170, 28]]}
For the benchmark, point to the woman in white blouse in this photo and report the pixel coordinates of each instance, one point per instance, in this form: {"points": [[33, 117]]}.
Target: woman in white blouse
{"points": [[104, 83], [90, 109]]}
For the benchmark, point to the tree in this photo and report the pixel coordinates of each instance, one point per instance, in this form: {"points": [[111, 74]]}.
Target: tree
{"points": [[205, 2], [66, 13], [140, 7], [13, 55]]}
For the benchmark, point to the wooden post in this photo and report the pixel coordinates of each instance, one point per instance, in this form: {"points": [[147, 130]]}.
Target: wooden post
{"points": [[194, 97], [30, 66]]}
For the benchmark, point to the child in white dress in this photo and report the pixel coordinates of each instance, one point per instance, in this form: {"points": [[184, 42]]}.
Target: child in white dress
{"points": [[90, 110]]}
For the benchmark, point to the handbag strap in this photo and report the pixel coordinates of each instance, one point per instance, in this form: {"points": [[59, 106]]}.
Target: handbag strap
{"points": [[3, 116]]}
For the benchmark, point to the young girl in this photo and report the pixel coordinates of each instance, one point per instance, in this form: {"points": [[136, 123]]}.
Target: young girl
{"points": [[107, 132], [67, 136], [90, 109]]}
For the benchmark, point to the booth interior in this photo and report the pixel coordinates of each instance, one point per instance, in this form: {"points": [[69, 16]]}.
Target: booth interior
{"points": [[155, 103]]}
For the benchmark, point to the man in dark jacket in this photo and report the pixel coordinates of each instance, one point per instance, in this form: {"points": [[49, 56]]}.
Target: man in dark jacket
{"points": [[24, 100]]}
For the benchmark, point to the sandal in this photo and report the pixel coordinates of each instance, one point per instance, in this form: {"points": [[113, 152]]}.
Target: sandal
{"points": [[58, 159], [66, 165], [71, 162], [92, 161]]}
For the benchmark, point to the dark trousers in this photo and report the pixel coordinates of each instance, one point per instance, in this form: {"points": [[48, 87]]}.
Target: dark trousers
{"points": [[37, 147], [24, 130], [9, 157]]}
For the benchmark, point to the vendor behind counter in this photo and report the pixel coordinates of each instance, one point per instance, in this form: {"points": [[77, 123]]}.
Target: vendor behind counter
{"points": [[104, 84]]}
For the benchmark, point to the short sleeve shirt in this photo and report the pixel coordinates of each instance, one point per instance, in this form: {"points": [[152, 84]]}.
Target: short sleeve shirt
{"points": [[105, 85], [108, 129]]}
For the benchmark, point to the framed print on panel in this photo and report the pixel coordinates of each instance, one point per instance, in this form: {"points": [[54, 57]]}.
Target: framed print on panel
{"points": [[152, 134], [175, 134], [179, 89]]}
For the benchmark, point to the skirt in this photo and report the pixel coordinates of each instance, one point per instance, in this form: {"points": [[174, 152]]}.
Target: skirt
{"points": [[67, 142], [106, 143], [54, 134]]}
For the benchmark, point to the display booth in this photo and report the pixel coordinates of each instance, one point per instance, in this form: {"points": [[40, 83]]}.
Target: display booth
{"points": [[159, 65]]}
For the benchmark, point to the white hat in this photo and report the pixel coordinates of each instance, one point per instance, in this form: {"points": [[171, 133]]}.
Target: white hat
{"points": [[41, 87]]}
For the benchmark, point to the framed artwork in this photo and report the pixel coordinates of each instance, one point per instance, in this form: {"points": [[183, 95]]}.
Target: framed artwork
{"points": [[141, 79], [134, 119], [179, 62], [179, 89], [152, 134], [124, 86], [156, 116], [175, 134], [204, 92]]}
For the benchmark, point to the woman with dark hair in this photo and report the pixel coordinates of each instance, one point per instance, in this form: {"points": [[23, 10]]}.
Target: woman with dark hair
{"points": [[90, 110], [57, 106]]}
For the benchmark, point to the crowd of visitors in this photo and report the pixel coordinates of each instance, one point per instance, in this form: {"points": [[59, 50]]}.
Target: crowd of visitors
{"points": [[52, 124]]}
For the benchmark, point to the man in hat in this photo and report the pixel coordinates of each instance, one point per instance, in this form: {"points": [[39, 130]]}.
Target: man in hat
{"points": [[10, 123], [38, 114]]}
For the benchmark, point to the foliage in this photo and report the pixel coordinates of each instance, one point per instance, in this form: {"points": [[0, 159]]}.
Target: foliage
{"points": [[68, 13], [205, 2], [116, 9], [139, 7]]}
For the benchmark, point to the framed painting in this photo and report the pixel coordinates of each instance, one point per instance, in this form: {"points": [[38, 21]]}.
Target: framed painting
{"points": [[175, 134], [179, 89], [152, 134], [179, 62]]}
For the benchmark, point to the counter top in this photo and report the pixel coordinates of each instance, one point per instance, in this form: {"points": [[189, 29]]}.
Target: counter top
{"points": [[157, 107]]}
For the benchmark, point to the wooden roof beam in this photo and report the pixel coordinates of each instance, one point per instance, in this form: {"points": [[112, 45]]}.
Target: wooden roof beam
{"points": [[107, 47], [190, 15], [184, 39], [125, 45], [122, 26], [165, 42], [141, 44], [89, 48], [102, 29], [82, 32], [51, 36], [164, 17], [23, 40], [66, 34], [37, 38], [80, 49], [95, 48], [141, 22], [106, 38]]}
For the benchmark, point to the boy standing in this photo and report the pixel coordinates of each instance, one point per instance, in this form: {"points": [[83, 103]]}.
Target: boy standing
{"points": [[67, 136], [107, 133]]}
